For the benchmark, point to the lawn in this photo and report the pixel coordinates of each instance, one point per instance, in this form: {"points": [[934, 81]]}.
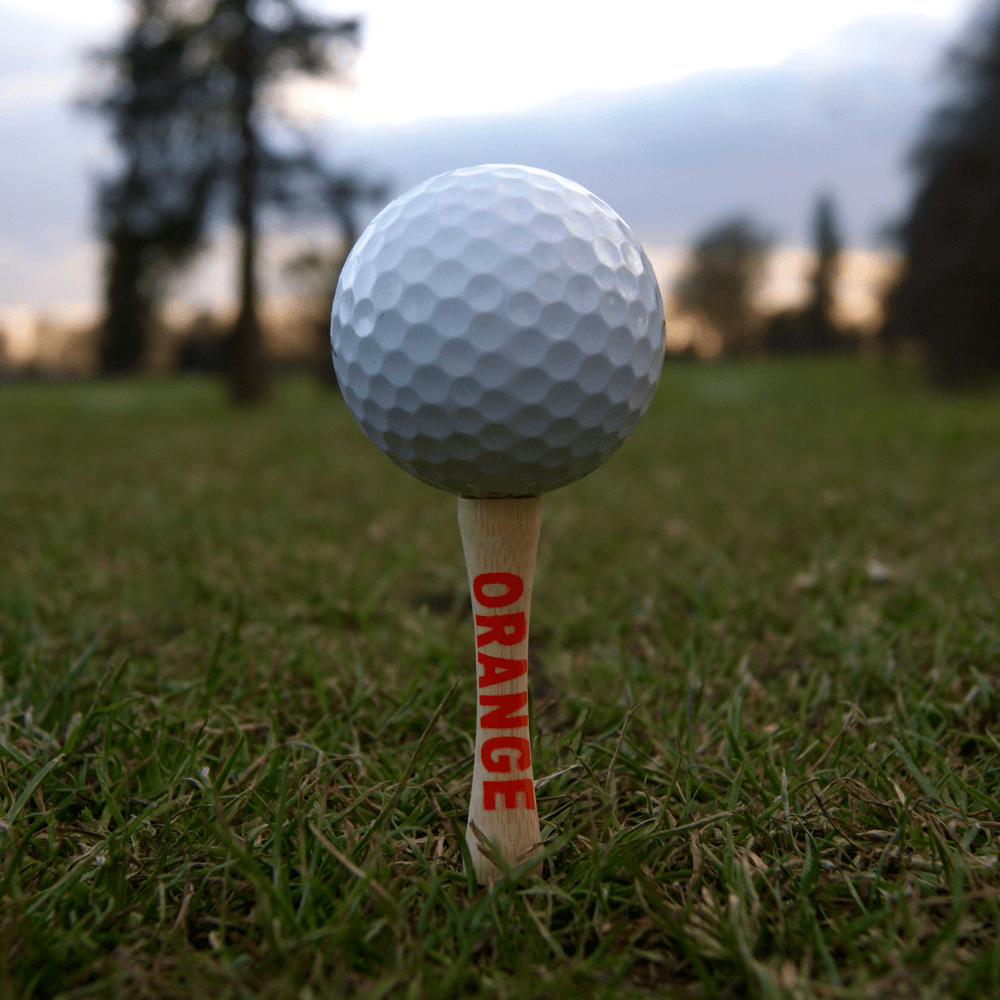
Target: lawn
{"points": [[765, 693]]}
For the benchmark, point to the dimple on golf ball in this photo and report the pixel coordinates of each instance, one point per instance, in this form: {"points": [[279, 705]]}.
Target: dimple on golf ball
{"points": [[497, 331]]}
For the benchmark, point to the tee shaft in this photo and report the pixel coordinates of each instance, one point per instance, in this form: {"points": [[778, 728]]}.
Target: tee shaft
{"points": [[500, 538]]}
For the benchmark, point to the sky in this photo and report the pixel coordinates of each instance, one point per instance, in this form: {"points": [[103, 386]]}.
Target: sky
{"points": [[443, 58]]}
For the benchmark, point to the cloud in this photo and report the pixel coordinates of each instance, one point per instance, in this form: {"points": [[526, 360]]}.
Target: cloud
{"points": [[671, 159]]}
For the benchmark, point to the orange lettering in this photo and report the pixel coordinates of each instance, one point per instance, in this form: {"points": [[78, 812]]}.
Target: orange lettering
{"points": [[502, 764], [499, 670], [513, 583], [500, 717], [508, 792], [497, 629]]}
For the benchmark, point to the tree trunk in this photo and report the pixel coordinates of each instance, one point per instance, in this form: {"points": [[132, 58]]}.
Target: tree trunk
{"points": [[122, 349], [819, 331], [248, 375]]}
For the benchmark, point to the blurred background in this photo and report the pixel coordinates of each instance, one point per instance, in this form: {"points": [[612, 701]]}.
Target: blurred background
{"points": [[181, 179]]}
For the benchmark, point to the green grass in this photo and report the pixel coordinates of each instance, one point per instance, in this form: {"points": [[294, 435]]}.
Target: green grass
{"points": [[765, 675]]}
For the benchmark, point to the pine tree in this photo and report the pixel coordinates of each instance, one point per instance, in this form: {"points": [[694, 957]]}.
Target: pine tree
{"points": [[819, 332], [187, 110], [810, 327]]}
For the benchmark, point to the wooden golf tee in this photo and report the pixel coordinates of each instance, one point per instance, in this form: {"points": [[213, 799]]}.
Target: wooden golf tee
{"points": [[500, 538]]}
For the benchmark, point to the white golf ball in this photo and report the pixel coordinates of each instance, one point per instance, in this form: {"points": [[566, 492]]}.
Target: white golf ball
{"points": [[497, 331]]}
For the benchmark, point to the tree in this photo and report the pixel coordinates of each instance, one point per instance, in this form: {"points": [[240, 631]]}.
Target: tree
{"points": [[819, 330], [722, 278], [948, 295], [188, 112], [149, 235], [811, 327]]}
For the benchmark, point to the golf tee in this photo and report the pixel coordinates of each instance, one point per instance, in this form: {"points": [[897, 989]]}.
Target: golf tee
{"points": [[500, 538]]}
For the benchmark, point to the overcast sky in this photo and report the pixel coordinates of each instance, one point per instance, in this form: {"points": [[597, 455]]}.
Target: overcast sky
{"points": [[458, 57], [441, 59]]}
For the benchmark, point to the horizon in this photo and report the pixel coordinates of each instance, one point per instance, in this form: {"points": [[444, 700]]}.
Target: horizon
{"points": [[862, 277]]}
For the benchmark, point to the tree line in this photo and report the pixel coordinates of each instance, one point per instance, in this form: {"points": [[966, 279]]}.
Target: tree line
{"points": [[724, 275], [185, 95], [946, 298]]}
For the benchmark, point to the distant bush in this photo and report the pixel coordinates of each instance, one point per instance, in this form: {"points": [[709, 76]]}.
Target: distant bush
{"points": [[205, 347], [721, 280], [316, 274]]}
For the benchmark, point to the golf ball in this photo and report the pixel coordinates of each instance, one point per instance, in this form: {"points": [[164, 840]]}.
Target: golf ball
{"points": [[497, 331]]}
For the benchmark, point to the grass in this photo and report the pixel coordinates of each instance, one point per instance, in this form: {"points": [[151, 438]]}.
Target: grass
{"points": [[765, 683]]}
